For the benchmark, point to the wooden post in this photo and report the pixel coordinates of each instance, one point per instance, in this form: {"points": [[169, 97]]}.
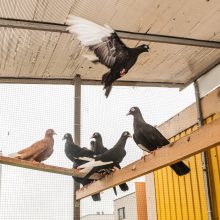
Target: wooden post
{"points": [[77, 109]]}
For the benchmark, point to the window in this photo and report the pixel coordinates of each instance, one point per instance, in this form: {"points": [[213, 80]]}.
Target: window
{"points": [[121, 213]]}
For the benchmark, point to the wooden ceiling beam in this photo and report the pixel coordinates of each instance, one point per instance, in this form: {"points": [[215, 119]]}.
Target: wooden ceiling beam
{"points": [[55, 27]]}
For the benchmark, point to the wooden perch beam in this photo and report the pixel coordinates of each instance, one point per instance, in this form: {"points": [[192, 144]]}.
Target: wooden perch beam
{"points": [[43, 167], [202, 139]]}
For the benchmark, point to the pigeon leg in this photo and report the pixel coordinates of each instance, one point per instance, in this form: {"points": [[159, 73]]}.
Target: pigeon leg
{"points": [[153, 152], [143, 157], [122, 72], [171, 144]]}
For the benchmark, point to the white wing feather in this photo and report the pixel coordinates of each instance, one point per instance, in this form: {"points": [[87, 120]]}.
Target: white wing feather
{"points": [[87, 167], [88, 32]]}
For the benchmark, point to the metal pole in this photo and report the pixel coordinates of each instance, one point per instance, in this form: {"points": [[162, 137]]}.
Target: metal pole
{"points": [[77, 109], [205, 164]]}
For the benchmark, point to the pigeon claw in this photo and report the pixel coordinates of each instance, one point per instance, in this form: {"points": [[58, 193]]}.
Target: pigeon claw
{"points": [[122, 72], [143, 157], [171, 144], [153, 152]]}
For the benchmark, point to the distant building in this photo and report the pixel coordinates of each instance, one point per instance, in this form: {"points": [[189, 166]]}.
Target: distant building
{"points": [[132, 206], [98, 216]]}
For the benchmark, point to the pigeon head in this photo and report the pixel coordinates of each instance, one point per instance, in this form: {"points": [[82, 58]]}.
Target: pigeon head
{"points": [[126, 134], [67, 136], [50, 132], [96, 135], [144, 47], [134, 111]]}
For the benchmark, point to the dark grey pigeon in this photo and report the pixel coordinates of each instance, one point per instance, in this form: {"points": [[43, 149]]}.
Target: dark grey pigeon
{"points": [[148, 138], [113, 156], [99, 148], [108, 48], [76, 155]]}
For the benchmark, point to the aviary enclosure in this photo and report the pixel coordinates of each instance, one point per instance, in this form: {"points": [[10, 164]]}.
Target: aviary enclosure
{"points": [[78, 67]]}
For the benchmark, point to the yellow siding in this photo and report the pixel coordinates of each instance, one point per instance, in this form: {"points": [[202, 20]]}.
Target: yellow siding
{"points": [[184, 198]]}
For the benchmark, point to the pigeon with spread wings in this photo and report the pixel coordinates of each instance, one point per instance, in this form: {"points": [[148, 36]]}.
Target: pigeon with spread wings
{"points": [[39, 151], [148, 138], [108, 48]]}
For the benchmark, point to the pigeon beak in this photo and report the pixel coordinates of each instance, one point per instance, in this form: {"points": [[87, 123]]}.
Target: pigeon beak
{"points": [[54, 133], [63, 138], [129, 135], [128, 113]]}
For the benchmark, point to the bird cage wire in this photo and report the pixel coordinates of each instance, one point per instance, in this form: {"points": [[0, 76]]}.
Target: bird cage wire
{"points": [[28, 110]]}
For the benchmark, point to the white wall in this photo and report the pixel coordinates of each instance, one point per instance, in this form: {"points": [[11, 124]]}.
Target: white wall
{"points": [[129, 202], [98, 217], [209, 81]]}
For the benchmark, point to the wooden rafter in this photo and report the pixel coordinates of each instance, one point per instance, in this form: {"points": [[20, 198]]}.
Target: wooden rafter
{"points": [[204, 138]]}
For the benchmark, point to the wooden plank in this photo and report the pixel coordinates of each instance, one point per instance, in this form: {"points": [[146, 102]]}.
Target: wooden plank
{"points": [[43, 167], [202, 139], [188, 117]]}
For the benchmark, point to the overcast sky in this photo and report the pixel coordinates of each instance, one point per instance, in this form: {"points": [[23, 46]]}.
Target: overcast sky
{"points": [[26, 111]]}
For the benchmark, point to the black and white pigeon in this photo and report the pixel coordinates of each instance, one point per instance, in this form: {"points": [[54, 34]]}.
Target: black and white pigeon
{"points": [[148, 138], [76, 155], [113, 156], [108, 48], [98, 149]]}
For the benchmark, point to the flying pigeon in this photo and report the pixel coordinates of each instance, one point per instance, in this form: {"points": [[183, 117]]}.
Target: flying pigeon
{"points": [[39, 151], [148, 138], [99, 148], [108, 48], [113, 156], [76, 154]]}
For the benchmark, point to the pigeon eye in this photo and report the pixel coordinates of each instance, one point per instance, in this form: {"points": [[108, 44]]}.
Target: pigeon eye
{"points": [[132, 109]]}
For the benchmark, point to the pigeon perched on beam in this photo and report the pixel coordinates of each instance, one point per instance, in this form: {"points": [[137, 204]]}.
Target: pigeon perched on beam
{"points": [[39, 151], [148, 138], [113, 156], [99, 148], [76, 155], [108, 48]]}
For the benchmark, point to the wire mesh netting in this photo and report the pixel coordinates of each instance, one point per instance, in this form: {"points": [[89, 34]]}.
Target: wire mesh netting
{"points": [[28, 110]]}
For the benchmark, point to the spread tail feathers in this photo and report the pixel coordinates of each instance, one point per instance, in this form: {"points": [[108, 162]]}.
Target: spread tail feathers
{"points": [[180, 168], [14, 155], [124, 187], [96, 197]]}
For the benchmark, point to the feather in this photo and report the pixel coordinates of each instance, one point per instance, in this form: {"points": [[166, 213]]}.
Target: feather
{"points": [[85, 158], [89, 33], [87, 167]]}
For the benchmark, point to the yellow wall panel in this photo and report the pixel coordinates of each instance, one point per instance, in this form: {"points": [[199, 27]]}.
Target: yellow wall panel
{"points": [[184, 198]]}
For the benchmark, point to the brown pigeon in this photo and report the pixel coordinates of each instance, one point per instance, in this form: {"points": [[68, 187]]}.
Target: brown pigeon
{"points": [[39, 151]]}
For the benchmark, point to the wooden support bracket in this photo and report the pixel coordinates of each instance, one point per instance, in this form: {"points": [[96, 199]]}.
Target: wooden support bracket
{"points": [[44, 167], [200, 140]]}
